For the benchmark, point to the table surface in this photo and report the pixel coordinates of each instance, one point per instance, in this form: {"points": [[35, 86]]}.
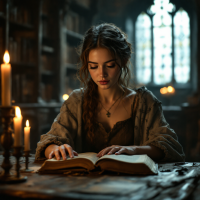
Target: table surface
{"points": [[174, 181]]}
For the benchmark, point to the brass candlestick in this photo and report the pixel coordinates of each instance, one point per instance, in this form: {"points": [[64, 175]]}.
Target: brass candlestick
{"points": [[7, 143], [27, 155], [18, 153]]}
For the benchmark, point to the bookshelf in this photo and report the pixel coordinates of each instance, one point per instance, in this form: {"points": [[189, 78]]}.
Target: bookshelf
{"points": [[41, 37], [77, 20]]}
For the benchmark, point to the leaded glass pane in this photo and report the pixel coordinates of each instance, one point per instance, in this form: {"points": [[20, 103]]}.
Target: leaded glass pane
{"points": [[143, 46], [182, 46], [162, 31]]}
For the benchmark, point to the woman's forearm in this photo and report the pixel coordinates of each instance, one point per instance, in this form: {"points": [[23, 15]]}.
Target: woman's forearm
{"points": [[153, 152]]}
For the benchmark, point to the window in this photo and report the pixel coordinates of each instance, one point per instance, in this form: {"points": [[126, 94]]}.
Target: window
{"points": [[162, 45]]}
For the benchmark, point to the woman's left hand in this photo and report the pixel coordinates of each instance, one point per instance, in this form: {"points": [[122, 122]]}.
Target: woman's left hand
{"points": [[116, 149]]}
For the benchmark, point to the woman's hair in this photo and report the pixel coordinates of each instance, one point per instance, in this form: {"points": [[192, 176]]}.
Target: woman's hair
{"points": [[108, 36]]}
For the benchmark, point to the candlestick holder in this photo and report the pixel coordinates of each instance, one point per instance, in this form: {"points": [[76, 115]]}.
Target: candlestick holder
{"points": [[7, 143], [18, 153], [7, 114], [27, 155]]}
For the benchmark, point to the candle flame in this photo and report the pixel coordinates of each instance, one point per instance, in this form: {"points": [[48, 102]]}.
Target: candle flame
{"points": [[6, 57], [17, 111], [27, 123], [65, 96], [163, 90], [170, 89], [167, 90]]}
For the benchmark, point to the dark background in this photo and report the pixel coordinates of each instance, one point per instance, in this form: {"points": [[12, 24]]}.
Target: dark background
{"points": [[42, 37]]}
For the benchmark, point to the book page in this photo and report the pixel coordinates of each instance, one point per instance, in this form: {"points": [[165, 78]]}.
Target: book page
{"points": [[125, 158], [88, 155], [131, 159]]}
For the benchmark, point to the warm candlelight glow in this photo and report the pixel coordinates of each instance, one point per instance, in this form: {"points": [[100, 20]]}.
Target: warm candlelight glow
{"points": [[170, 89], [27, 123], [6, 57], [6, 80], [27, 136], [167, 90], [163, 90], [17, 127], [17, 111], [65, 96]]}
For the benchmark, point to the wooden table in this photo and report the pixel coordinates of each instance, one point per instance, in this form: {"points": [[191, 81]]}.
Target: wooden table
{"points": [[174, 181]]}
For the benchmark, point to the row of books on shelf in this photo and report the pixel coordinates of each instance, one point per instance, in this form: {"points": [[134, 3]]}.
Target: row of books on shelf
{"points": [[71, 55], [76, 23], [20, 14], [47, 63], [46, 92], [21, 50], [17, 13], [23, 89]]}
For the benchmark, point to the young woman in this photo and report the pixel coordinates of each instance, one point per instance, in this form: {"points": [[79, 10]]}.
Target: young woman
{"points": [[105, 116]]}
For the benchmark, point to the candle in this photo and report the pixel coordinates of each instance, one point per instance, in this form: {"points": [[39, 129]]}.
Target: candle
{"points": [[18, 127], [167, 90], [171, 90], [6, 81], [27, 136], [65, 96]]}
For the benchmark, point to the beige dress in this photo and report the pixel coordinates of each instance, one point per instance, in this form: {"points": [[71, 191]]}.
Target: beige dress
{"points": [[147, 127]]}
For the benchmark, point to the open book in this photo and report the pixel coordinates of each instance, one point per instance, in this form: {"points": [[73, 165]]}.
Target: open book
{"points": [[130, 164]]}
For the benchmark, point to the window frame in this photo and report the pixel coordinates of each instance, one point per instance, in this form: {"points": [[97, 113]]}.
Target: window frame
{"points": [[189, 8]]}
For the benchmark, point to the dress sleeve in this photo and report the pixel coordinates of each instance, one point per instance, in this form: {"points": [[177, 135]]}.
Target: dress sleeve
{"points": [[63, 131], [161, 135]]}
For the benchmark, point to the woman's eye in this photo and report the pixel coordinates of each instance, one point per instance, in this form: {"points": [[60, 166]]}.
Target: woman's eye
{"points": [[93, 67], [111, 66]]}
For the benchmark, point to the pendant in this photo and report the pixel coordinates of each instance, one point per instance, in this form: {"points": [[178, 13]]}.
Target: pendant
{"points": [[108, 114]]}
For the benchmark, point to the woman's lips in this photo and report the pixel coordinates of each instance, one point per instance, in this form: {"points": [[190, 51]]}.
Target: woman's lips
{"points": [[103, 82]]}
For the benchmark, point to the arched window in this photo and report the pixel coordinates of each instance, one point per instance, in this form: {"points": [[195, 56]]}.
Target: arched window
{"points": [[162, 42]]}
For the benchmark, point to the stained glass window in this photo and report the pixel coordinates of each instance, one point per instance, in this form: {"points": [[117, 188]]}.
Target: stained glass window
{"points": [[159, 21], [182, 47], [143, 46], [162, 30]]}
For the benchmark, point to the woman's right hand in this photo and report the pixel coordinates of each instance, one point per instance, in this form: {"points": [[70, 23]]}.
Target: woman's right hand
{"points": [[60, 151]]}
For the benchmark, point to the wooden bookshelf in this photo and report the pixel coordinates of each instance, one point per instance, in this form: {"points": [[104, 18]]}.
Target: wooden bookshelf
{"points": [[43, 57], [39, 40], [77, 20]]}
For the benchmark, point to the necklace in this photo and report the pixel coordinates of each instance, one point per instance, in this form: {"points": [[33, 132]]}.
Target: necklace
{"points": [[108, 113]]}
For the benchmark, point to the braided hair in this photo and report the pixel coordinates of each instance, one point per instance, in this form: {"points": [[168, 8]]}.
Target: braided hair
{"points": [[108, 36]]}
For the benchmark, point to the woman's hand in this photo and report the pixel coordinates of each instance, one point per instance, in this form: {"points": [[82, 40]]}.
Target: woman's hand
{"points": [[60, 151], [117, 150]]}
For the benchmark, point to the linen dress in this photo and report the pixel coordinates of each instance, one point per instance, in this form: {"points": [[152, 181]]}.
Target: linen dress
{"points": [[147, 126]]}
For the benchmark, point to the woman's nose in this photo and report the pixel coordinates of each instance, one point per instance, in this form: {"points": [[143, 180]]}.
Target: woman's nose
{"points": [[102, 72]]}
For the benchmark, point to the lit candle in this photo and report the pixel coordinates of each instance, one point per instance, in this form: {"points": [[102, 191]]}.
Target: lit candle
{"points": [[163, 90], [27, 136], [171, 90], [6, 81], [65, 96], [18, 127]]}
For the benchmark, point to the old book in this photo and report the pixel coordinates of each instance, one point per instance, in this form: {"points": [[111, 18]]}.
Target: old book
{"points": [[130, 164]]}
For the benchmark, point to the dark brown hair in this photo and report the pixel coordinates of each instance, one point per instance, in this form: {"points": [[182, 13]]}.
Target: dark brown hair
{"points": [[108, 36]]}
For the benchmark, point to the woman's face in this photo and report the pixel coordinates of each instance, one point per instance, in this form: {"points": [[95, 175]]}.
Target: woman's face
{"points": [[103, 66]]}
